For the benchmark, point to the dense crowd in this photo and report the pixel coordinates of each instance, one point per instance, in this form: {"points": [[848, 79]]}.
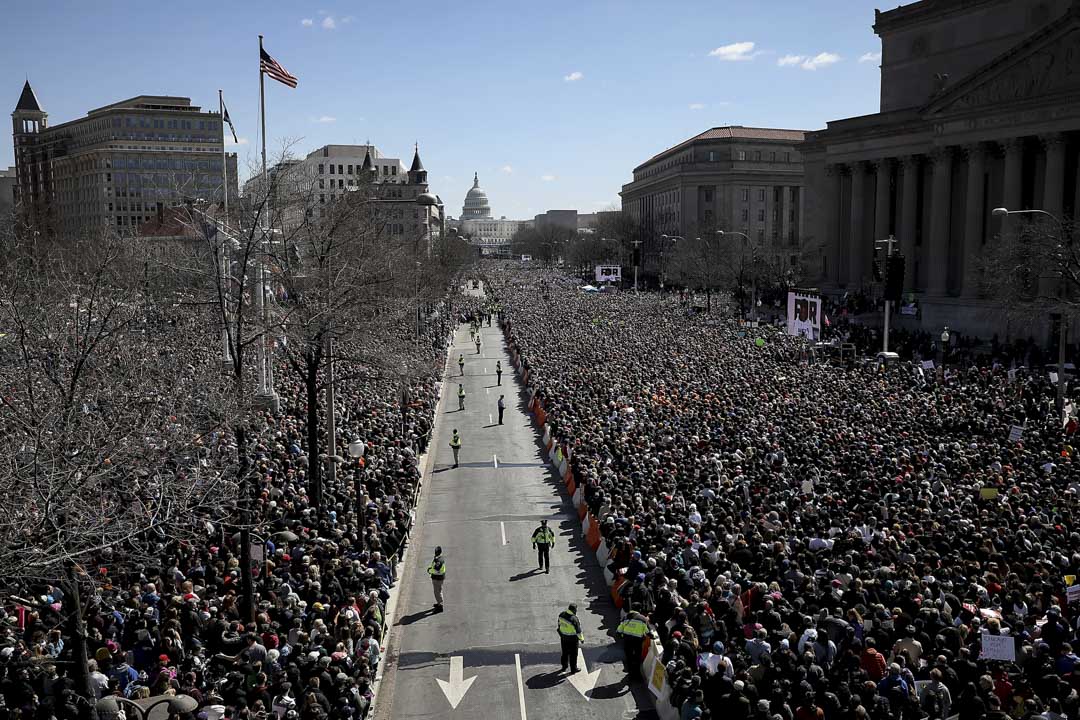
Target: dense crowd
{"points": [[178, 627], [815, 542]]}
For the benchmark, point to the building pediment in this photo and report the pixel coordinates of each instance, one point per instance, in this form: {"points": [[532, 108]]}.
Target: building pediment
{"points": [[1045, 65]]}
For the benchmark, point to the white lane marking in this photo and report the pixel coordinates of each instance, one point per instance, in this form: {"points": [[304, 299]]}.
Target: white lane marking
{"points": [[495, 461], [487, 391], [584, 681], [489, 418], [521, 686], [502, 527]]}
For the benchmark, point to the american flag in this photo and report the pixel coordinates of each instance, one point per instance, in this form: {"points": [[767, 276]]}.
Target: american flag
{"points": [[273, 68]]}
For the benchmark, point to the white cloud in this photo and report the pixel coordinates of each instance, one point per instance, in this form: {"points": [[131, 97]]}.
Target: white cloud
{"points": [[328, 22], [325, 119], [697, 106], [574, 76], [307, 22], [870, 57], [547, 178], [735, 51], [508, 169], [820, 60], [790, 60], [239, 141]]}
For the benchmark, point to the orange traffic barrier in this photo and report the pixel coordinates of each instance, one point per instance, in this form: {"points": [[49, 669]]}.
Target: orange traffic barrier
{"points": [[570, 486], [615, 597], [593, 536], [581, 511]]}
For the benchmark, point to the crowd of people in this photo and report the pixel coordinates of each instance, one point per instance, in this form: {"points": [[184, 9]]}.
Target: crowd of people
{"points": [[178, 627], [815, 542]]}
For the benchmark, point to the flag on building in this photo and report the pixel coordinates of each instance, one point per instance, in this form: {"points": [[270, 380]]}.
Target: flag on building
{"points": [[273, 68], [225, 118]]}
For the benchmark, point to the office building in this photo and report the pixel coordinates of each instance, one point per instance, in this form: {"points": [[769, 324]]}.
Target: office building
{"points": [[978, 110], [727, 178], [115, 167]]}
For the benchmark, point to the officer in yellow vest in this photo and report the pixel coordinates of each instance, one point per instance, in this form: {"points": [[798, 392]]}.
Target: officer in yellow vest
{"points": [[455, 445], [542, 541], [570, 636], [498, 372], [460, 397], [461, 364], [437, 571], [633, 630]]}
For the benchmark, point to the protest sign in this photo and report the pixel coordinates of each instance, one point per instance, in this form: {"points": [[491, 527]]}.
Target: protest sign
{"points": [[998, 647]]}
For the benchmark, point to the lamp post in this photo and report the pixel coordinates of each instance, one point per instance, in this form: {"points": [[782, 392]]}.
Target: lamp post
{"points": [[753, 269], [1062, 239], [637, 259], [665, 239], [944, 342], [357, 449]]}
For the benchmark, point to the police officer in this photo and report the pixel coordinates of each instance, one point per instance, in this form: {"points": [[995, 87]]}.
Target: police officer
{"points": [[437, 571], [460, 397], [461, 364], [498, 372], [455, 445], [542, 541], [570, 636], [502, 407], [633, 629], [477, 344]]}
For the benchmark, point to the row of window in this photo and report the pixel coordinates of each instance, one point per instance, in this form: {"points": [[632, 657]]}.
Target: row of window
{"points": [[166, 123], [390, 170], [756, 155]]}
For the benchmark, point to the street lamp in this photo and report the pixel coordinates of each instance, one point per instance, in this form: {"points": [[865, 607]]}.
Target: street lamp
{"points": [[356, 449], [753, 272], [674, 239], [1002, 212], [944, 342]]}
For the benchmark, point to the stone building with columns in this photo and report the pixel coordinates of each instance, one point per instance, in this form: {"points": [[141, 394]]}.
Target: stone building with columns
{"points": [[980, 108]]}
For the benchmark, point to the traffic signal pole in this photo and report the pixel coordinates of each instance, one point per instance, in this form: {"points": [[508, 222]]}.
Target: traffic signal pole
{"points": [[888, 242]]}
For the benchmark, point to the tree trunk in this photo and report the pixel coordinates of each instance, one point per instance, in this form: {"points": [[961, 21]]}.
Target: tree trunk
{"points": [[312, 387], [76, 629], [246, 580], [708, 300]]}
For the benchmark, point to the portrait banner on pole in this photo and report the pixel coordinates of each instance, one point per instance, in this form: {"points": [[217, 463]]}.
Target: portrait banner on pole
{"points": [[804, 315]]}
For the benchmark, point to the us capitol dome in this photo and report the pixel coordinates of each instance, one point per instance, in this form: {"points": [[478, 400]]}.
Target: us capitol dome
{"points": [[476, 202]]}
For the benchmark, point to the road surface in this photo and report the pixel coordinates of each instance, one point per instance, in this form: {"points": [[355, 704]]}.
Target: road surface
{"points": [[494, 651]]}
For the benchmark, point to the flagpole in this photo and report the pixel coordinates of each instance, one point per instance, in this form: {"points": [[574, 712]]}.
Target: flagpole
{"points": [[261, 295], [226, 351]]}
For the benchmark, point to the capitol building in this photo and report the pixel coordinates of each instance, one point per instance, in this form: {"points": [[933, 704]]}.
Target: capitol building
{"points": [[492, 235]]}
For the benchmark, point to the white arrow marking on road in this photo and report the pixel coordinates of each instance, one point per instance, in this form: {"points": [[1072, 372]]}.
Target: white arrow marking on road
{"points": [[584, 681], [457, 687], [502, 526], [489, 418]]}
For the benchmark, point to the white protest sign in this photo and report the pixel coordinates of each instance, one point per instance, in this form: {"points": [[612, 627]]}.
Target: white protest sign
{"points": [[998, 647], [1012, 376], [1072, 594], [928, 364], [1053, 377], [1015, 432]]}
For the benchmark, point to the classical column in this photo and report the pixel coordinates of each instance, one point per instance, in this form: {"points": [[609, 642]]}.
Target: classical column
{"points": [[1014, 160], [974, 218], [909, 216], [937, 258], [1054, 183], [858, 266], [785, 211], [831, 208], [882, 198]]}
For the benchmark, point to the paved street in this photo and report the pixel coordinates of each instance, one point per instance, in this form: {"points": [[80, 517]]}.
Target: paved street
{"points": [[498, 627]]}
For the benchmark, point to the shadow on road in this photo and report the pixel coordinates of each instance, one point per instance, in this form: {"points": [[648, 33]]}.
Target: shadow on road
{"points": [[522, 576], [410, 619], [543, 681], [611, 690]]}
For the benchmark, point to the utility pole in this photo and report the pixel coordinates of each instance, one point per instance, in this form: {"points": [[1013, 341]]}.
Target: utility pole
{"points": [[888, 243], [637, 260]]}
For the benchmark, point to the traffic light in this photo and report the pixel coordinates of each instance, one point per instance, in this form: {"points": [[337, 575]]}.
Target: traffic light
{"points": [[894, 277], [876, 267]]}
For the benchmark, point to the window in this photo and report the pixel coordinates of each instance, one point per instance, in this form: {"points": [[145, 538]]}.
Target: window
{"points": [[341, 183], [393, 170], [331, 168], [321, 184], [350, 169], [760, 235], [322, 198], [761, 215], [321, 168], [742, 154], [787, 157], [757, 156], [339, 172], [761, 195], [746, 195], [708, 195], [713, 156], [745, 214], [772, 157]]}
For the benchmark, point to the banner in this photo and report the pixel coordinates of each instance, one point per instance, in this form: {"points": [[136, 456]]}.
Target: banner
{"points": [[804, 315], [608, 273]]}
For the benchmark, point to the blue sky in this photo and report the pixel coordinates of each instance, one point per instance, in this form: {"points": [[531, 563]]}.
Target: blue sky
{"points": [[552, 102]]}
